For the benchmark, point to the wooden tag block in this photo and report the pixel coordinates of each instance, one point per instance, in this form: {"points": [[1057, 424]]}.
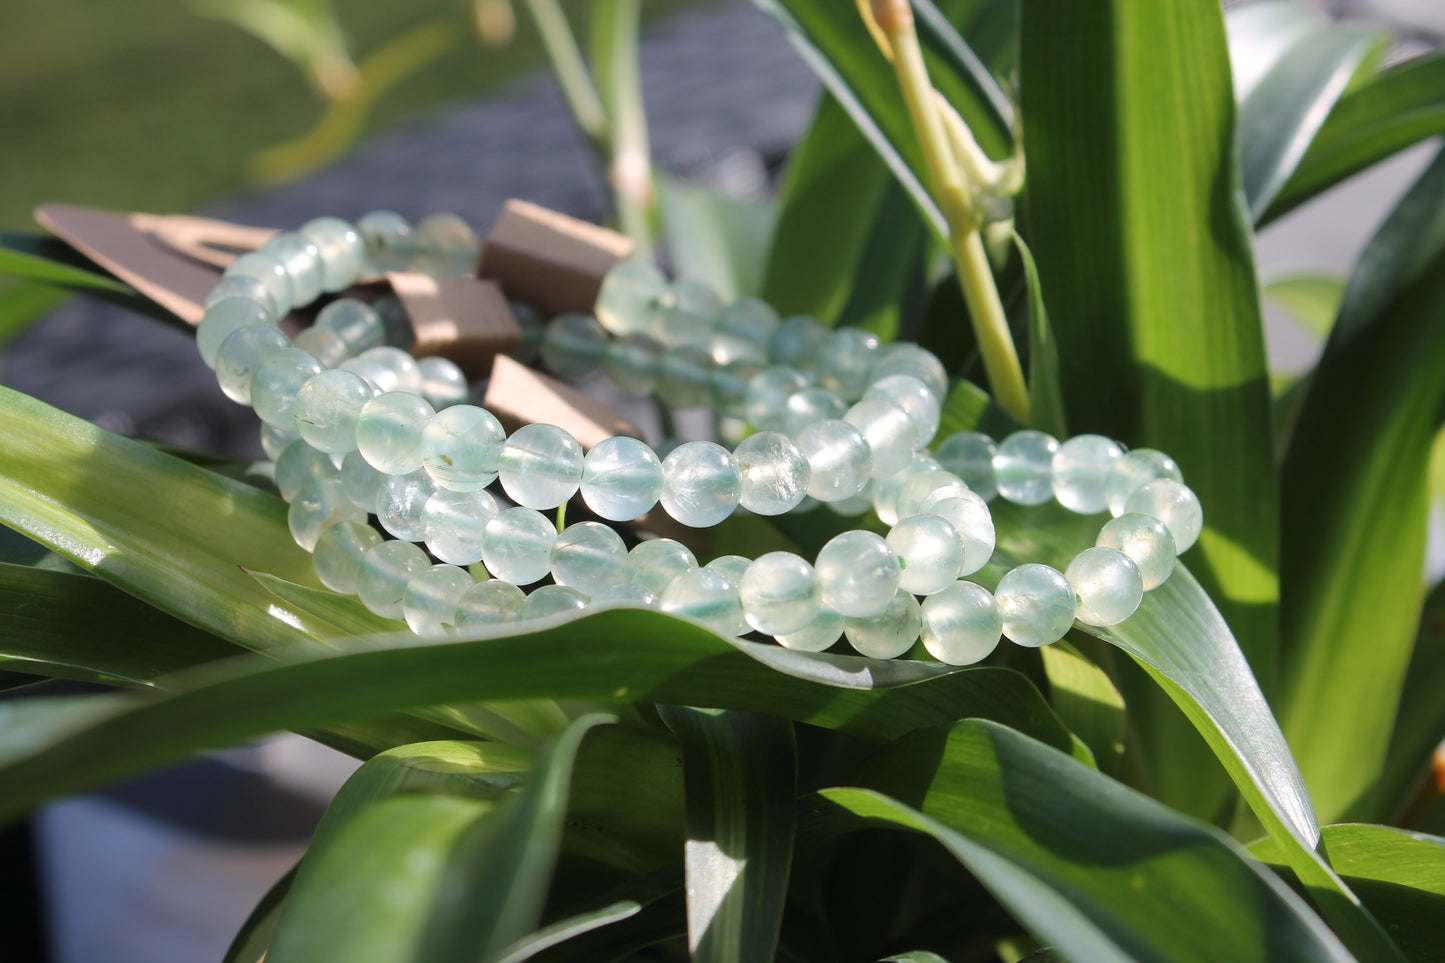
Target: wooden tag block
{"points": [[465, 320], [551, 261], [519, 396]]}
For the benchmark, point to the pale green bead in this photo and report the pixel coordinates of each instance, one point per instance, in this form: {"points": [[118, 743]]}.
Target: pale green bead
{"points": [[448, 237], [633, 363], [239, 355], [622, 595], [493, 602], [969, 455], [1107, 586], [844, 361], [839, 459], [915, 398], [808, 406], [653, 564], [889, 633], [1132, 472], [573, 346], [389, 430], [223, 319], [517, 545], [688, 314], [1024, 467], [461, 446], [531, 326], [742, 331], [1036, 603], [339, 249], [274, 440], [903, 358], [275, 382], [387, 369], [394, 318], [927, 487], [361, 481], [1080, 467], [730, 383], [298, 465], [302, 261], [621, 479], [820, 634], [774, 473], [390, 243], [402, 503], [270, 272], [454, 524], [1146, 541], [887, 490], [961, 624], [316, 506], [443, 384], [241, 286], [384, 573], [797, 342], [701, 484], [859, 504], [889, 432], [540, 466], [709, 597], [429, 602], [929, 552], [684, 379], [766, 398], [733, 566], [970, 518], [780, 593], [1174, 504], [630, 297], [337, 556], [355, 322], [327, 408], [325, 344], [550, 600], [588, 557], [859, 573]]}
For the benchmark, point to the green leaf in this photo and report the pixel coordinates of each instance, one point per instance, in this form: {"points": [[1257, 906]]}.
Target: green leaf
{"points": [[344, 614], [1259, 34], [1312, 299], [45, 260], [740, 773], [568, 929], [917, 956], [961, 76], [715, 238], [22, 304], [1087, 701], [1046, 393], [254, 938]]}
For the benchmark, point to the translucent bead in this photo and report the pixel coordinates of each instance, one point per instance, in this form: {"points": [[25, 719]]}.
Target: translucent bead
{"points": [[742, 331], [633, 363], [1024, 467], [239, 355], [461, 447], [443, 384], [492, 602], [1147, 543], [859, 573], [688, 315], [384, 573], [241, 286], [223, 319], [1174, 504], [765, 401], [337, 556], [588, 557], [708, 596], [317, 506], [969, 455], [390, 244], [552, 600], [1080, 466], [961, 624], [621, 479], [276, 381], [531, 326], [402, 503], [540, 466], [630, 297], [622, 595], [1107, 586], [573, 346], [355, 322], [387, 369], [389, 430], [1036, 603], [326, 410], [844, 361], [684, 378], [653, 564], [902, 358], [274, 440], [339, 249], [453, 524], [929, 553], [927, 487], [809, 406], [839, 458], [916, 399], [1132, 472], [859, 504], [825, 630], [889, 633], [780, 593], [970, 518], [701, 484], [397, 324], [774, 472], [733, 566], [889, 432], [361, 482], [517, 545], [326, 345], [429, 602], [447, 236], [797, 342], [299, 465], [270, 273], [302, 261]]}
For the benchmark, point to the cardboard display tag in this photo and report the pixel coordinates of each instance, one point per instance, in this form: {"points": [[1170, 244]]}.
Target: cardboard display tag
{"points": [[466, 320], [554, 262]]}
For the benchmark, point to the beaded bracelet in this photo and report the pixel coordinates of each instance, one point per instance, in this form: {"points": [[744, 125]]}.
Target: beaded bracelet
{"points": [[381, 432]]}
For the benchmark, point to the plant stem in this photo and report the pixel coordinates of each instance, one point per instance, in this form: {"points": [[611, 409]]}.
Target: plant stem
{"points": [[572, 73], [616, 68]]}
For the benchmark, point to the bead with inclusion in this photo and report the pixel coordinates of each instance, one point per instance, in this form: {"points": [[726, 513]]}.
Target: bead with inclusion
{"points": [[902, 358], [389, 430], [929, 553], [688, 315], [630, 297], [1024, 467], [844, 361], [327, 408], [653, 564], [337, 556], [241, 286], [708, 596], [302, 261], [889, 432], [299, 465], [429, 603], [701, 484], [517, 545], [766, 398], [1174, 504], [780, 593], [324, 343], [270, 272], [970, 518], [361, 481], [633, 363], [839, 458], [1107, 586], [887, 490], [389, 241], [540, 466], [774, 472], [387, 369], [742, 331], [1080, 467], [924, 487], [915, 398], [384, 573], [1036, 603], [224, 318], [355, 322], [402, 502], [961, 624], [460, 447], [796, 343], [820, 634], [239, 355], [733, 566], [493, 602], [573, 346], [621, 478], [859, 573], [453, 524], [339, 249], [552, 600], [1147, 543], [969, 455], [889, 633], [317, 505], [1132, 472], [274, 440], [810, 405], [588, 557], [443, 384], [684, 378]]}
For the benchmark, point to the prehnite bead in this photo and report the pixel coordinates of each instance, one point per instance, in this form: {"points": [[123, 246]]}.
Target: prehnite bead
{"points": [[552, 600], [355, 322], [318, 505], [688, 314], [653, 564], [797, 342], [684, 379], [902, 358], [461, 447], [889, 432], [961, 624], [223, 319], [839, 457], [389, 430], [887, 490], [429, 602], [274, 440], [338, 248], [766, 398], [239, 355], [302, 261], [540, 466], [927, 487], [780, 593], [630, 297], [1146, 541], [859, 504], [401, 505], [443, 384], [517, 545], [1107, 586], [573, 346], [742, 331], [390, 244], [622, 595], [708, 596], [337, 556], [929, 552], [1036, 603], [387, 369], [915, 398], [633, 363], [1132, 472], [845, 360], [449, 237], [969, 455], [859, 573], [774, 472], [299, 465], [454, 523], [324, 343], [588, 557], [820, 634], [1024, 467], [889, 633], [327, 408], [270, 273], [384, 573], [971, 519], [492, 602], [621, 479], [1080, 467], [361, 482], [1174, 504], [276, 381], [809, 405], [241, 286], [701, 484]]}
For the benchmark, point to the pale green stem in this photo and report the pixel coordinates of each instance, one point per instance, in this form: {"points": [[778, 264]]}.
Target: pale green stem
{"points": [[571, 70], [561, 517], [616, 66]]}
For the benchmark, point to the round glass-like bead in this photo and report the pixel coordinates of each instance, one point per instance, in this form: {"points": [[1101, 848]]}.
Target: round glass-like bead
{"points": [[902, 358], [429, 602], [540, 466], [390, 243], [688, 314], [839, 458], [859, 573], [461, 446], [276, 381], [1174, 504], [820, 634], [929, 552], [239, 355], [448, 237], [302, 261], [384, 573], [621, 478], [319, 504], [389, 430], [633, 363], [402, 502], [339, 250], [845, 360], [780, 593], [684, 378], [274, 440], [1146, 541], [573, 346], [969, 455], [742, 331], [241, 286], [1024, 467], [961, 624], [971, 519], [530, 324], [223, 319], [701, 484], [517, 545], [630, 297], [1080, 466], [855, 506], [492, 602], [337, 556], [733, 566], [928, 487], [766, 398], [1107, 586], [622, 595], [270, 273], [1132, 472], [387, 369], [355, 322], [730, 385], [653, 564], [810, 405], [443, 384], [324, 343], [796, 343], [774, 472], [1036, 603], [326, 410], [889, 633], [588, 557], [361, 482], [299, 465], [889, 432], [915, 398], [453, 524], [708, 596], [886, 491], [552, 600]]}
